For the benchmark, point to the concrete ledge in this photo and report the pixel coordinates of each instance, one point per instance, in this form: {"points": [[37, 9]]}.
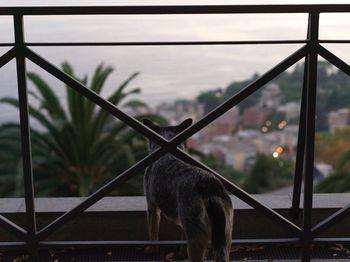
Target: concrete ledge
{"points": [[124, 218]]}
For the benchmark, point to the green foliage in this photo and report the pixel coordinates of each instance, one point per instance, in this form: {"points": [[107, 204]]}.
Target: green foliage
{"points": [[290, 83], [338, 182], [213, 98], [210, 99], [230, 173], [332, 91], [267, 174], [236, 87], [10, 160], [82, 146], [333, 148]]}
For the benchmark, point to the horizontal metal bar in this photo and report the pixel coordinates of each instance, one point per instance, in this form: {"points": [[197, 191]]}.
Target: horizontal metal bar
{"points": [[175, 9], [13, 228], [240, 96], [241, 194], [7, 57], [140, 243], [334, 41], [248, 42], [13, 245], [120, 243], [99, 194], [6, 44], [330, 221], [331, 240], [100, 244], [333, 59]]}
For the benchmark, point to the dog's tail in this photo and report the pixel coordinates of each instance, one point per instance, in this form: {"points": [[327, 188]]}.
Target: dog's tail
{"points": [[219, 210], [219, 223]]}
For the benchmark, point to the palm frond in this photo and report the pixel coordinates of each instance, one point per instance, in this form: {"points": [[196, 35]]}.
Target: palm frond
{"points": [[117, 95], [135, 104], [37, 114], [49, 101]]}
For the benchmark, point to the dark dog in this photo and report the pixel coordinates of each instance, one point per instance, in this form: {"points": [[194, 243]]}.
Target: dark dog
{"points": [[191, 197]]}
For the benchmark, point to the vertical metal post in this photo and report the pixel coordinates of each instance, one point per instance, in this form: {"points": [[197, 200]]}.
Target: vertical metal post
{"points": [[25, 138], [310, 132], [299, 161]]}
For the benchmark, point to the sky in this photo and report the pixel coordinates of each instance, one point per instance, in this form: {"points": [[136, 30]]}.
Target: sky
{"points": [[167, 72]]}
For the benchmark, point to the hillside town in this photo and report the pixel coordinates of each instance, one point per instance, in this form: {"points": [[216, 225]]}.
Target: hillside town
{"points": [[237, 137]]}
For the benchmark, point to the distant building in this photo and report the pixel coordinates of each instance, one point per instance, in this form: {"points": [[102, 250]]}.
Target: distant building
{"points": [[338, 119], [270, 97], [325, 169], [179, 111], [239, 150], [291, 110], [224, 125], [253, 117], [233, 152]]}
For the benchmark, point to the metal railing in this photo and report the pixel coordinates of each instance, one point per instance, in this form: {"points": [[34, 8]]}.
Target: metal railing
{"points": [[307, 234]]}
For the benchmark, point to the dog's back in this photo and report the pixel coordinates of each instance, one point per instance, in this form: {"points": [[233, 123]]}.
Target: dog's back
{"points": [[193, 198]]}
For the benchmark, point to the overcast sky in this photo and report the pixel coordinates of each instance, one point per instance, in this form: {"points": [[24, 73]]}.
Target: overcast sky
{"points": [[167, 72]]}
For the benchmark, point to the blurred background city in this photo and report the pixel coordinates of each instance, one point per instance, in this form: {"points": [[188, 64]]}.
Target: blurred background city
{"points": [[77, 147]]}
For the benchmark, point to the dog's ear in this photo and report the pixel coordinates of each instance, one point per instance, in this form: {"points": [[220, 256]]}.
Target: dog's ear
{"points": [[151, 125], [186, 123]]}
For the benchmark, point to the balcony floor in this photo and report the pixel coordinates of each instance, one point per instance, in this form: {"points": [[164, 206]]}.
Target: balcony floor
{"points": [[242, 253]]}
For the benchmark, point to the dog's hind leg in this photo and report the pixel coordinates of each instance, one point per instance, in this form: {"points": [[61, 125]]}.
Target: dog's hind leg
{"points": [[183, 249], [153, 219], [196, 248]]}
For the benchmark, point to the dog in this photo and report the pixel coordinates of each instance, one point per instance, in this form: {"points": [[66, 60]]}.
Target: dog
{"points": [[191, 197]]}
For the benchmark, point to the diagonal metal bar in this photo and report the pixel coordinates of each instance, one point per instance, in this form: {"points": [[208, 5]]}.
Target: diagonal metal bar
{"points": [[333, 59], [13, 228], [7, 57], [240, 96], [32, 56], [99, 194], [210, 117], [285, 64], [241, 194], [91, 95], [330, 221], [299, 161]]}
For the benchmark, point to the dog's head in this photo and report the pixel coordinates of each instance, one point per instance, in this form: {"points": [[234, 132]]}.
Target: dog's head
{"points": [[168, 132]]}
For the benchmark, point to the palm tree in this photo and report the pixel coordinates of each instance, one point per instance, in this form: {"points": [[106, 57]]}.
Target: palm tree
{"points": [[82, 146], [10, 160]]}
